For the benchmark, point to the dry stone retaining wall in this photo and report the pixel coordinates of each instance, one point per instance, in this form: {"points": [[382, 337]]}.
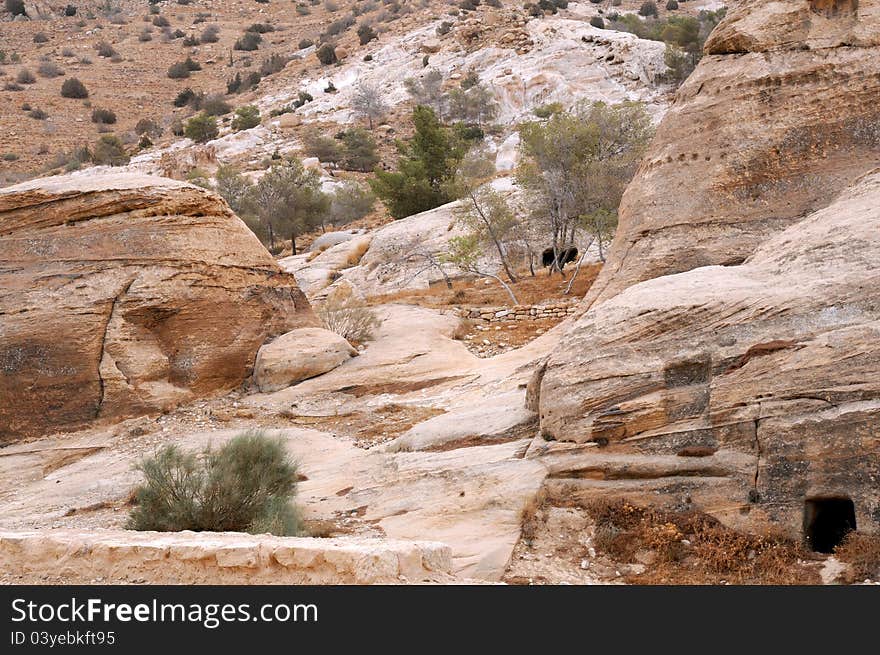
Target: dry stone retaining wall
{"points": [[559, 310]]}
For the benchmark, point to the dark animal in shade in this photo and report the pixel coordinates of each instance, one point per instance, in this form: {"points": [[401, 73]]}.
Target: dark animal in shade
{"points": [[566, 255]]}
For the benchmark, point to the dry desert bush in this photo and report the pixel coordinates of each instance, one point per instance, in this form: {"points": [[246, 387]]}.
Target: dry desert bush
{"points": [[694, 548]]}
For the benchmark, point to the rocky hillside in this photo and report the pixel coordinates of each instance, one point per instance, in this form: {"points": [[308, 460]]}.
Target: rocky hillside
{"points": [[702, 408]]}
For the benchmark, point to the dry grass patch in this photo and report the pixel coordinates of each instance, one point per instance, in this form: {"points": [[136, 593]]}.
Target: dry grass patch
{"points": [[694, 548], [475, 293], [862, 552]]}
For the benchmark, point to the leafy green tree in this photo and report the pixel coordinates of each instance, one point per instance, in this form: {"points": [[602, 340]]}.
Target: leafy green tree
{"points": [[483, 211], [288, 200], [576, 166], [425, 171], [350, 201], [232, 186], [358, 150], [466, 252]]}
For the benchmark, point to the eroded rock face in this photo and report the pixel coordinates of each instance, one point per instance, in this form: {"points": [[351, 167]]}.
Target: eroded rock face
{"points": [[776, 359], [780, 116], [729, 358], [122, 294]]}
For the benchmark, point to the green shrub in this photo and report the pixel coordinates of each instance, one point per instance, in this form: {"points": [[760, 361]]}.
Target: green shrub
{"points": [[245, 118], [178, 71], [548, 110], [597, 21], [49, 69], [202, 128], [672, 5], [358, 150], [244, 486], [104, 49], [210, 34], [16, 7], [109, 151], [73, 88]]}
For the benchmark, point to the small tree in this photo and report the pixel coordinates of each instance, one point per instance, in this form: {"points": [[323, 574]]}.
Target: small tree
{"points": [[426, 90], [232, 186], [358, 150], [202, 128], [578, 163], [425, 170], [465, 252], [349, 202], [288, 200], [246, 118], [368, 102], [484, 212], [475, 104]]}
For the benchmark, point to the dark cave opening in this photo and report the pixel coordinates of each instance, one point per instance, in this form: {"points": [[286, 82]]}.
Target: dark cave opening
{"points": [[827, 521]]}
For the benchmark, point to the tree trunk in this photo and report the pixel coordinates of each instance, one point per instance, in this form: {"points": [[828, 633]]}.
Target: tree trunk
{"points": [[506, 287], [501, 255], [293, 243], [577, 268]]}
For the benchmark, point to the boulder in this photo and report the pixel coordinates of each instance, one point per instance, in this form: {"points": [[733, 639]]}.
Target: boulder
{"points": [[38, 10], [299, 355], [780, 116], [124, 294], [430, 46], [331, 239]]}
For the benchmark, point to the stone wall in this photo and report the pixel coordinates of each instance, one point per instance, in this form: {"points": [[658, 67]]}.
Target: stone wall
{"points": [[114, 556], [559, 310]]}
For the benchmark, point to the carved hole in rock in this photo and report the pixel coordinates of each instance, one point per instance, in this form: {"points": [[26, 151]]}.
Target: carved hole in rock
{"points": [[827, 521]]}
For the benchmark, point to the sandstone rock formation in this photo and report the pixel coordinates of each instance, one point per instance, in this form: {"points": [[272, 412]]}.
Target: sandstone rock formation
{"points": [[777, 359], [220, 558], [779, 117], [299, 355], [122, 294], [747, 385]]}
